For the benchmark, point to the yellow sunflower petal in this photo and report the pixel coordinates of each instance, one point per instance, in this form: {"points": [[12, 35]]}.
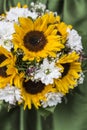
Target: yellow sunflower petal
{"points": [[26, 24], [18, 30], [69, 58], [19, 5]]}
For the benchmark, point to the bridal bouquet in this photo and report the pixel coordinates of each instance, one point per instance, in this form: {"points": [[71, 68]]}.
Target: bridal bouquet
{"points": [[40, 57]]}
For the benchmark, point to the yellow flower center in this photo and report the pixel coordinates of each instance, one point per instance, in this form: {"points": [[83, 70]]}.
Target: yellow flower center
{"points": [[33, 87], [34, 41]]}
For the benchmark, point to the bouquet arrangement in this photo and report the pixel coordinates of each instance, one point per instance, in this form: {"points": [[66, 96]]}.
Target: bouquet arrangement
{"points": [[40, 57]]}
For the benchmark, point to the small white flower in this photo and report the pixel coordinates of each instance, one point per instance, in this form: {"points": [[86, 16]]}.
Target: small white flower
{"points": [[6, 31], [10, 94], [52, 99], [38, 6], [81, 79], [74, 40], [16, 12], [7, 44], [47, 72]]}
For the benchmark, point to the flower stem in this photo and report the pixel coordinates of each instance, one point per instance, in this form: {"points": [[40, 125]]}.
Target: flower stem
{"points": [[21, 118]]}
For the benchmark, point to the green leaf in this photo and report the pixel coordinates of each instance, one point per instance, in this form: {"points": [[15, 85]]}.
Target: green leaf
{"points": [[46, 111], [50, 109]]}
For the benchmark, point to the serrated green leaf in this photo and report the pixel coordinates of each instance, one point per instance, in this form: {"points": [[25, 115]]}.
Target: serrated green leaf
{"points": [[46, 111], [50, 109]]}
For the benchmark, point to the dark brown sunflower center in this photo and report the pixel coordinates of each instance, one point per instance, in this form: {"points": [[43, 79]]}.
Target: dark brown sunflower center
{"points": [[59, 33], [33, 87], [34, 41], [66, 69], [3, 71], [2, 58]]}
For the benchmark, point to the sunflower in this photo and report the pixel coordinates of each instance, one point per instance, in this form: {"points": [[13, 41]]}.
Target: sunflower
{"points": [[7, 61], [38, 39], [71, 69], [32, 92]]}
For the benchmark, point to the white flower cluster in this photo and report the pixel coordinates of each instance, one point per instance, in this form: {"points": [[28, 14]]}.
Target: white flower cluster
{"points": [[17, 12], [52, 99], [10, 94], [6, 31], [74, 40], [38, 6], [47, 72]]}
